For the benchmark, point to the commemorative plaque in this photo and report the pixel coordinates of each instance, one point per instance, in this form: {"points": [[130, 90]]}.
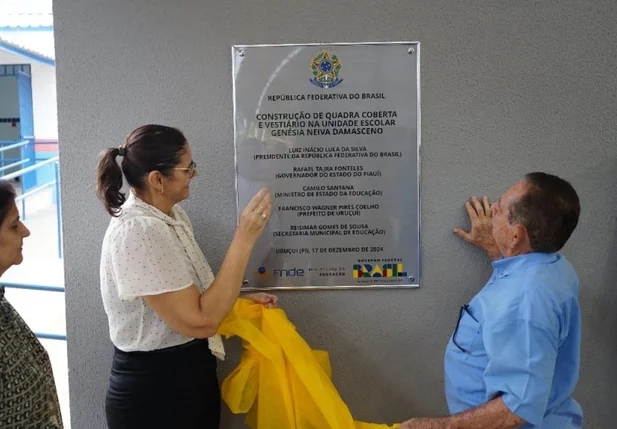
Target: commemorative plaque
{"points": [[333, 131]]}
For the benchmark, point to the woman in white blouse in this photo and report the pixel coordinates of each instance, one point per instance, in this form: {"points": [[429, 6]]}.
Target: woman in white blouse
{"points": [[164, 305]]}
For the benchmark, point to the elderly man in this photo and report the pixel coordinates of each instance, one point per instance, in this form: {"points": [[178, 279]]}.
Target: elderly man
{"points": [[513, 359]]}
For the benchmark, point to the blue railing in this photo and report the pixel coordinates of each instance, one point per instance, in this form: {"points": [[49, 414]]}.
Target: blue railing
{"points": [[55, 183], [42, 335], [27, 150], [13, 146], [34, 287], [14, 164], [24, 149]]}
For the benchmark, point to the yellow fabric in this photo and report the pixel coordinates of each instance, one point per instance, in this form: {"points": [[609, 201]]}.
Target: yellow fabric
{"points": [[280, 382]]}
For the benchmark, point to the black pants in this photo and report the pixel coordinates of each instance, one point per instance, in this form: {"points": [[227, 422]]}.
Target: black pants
{"points": [[168, 388]]}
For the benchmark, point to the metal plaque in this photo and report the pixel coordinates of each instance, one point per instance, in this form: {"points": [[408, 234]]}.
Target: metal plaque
{"points": [[333, 130]]}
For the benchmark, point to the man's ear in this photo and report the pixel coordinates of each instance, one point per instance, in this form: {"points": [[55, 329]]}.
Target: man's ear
{"points": [[520, 235]]}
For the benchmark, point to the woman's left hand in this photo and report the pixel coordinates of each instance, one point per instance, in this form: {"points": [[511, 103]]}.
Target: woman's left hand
{"points": [[267, 300]]}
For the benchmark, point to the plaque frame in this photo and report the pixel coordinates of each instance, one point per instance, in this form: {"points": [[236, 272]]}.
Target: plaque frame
{"points": [[414, 49]]}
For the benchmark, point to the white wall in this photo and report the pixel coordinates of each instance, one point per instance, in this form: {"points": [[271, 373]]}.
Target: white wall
{"points": [[43, 96], [508, 87]]}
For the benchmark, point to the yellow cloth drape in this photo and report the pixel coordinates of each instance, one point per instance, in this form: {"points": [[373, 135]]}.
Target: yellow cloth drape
{"points": [[281, 383]]}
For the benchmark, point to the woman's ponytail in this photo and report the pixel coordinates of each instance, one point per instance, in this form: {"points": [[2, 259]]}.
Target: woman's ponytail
{"points": [[148, 148], [109, 181]]}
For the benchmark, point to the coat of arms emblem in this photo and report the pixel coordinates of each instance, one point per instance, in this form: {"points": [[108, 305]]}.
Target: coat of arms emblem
{"points": [[326, 68]]}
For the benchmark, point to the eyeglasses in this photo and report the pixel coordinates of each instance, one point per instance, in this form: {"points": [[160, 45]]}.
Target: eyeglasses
{"points": [[464, 309], [192, 169]]}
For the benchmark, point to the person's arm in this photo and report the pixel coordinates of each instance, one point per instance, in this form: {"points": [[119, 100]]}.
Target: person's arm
{"points": [[266, 299], [492, 415], [522, 355], [199, 315], [481, 233]]}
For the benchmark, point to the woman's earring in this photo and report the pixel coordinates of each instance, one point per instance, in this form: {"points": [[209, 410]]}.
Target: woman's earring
{"points": [[162, 190]]}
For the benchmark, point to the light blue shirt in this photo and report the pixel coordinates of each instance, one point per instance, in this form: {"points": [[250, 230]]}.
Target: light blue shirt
{"points": [[519, 337]]}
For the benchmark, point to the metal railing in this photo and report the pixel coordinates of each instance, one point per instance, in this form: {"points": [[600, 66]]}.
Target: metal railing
{"points": [[55, 183], [33, 287], [16, 162], [42, 335], [14, 146]]}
